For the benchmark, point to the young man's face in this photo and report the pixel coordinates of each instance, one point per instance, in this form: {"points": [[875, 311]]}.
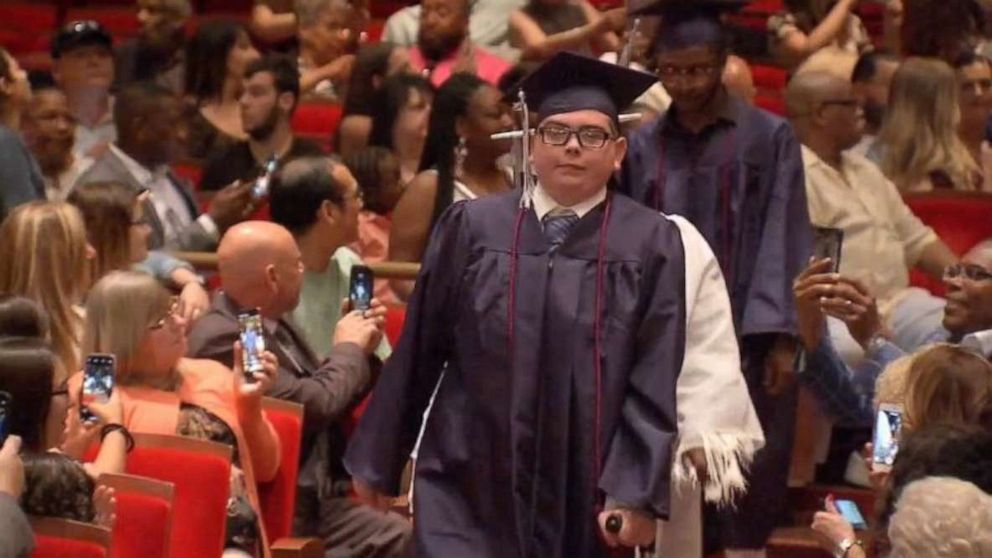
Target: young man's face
{"points": [[84, 67], [262, 106], [690, 75]]}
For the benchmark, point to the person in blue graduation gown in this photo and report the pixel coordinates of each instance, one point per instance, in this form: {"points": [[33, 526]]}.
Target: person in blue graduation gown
{"points": [[558, 317], [736, 173]]}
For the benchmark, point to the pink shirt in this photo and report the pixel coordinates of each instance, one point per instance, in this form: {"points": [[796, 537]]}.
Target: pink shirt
{"points": [[373, 247], [488, 66]]}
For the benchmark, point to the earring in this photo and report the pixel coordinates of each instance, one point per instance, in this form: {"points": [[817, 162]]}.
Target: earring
{"points": [[461, 152]]}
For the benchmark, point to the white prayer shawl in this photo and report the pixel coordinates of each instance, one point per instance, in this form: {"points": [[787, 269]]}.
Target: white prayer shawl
{"points": [[714, 408]]}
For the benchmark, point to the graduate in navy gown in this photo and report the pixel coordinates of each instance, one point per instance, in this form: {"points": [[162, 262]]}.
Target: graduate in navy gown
{"points": [[558, 316], [735, 172]]}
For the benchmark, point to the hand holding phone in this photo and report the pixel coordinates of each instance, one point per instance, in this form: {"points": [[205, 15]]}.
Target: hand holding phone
{"points": [[98, 383], [827, 243], [360, 287], [260, 189], [252, 343], [6, 402], [885, 442], [849, 510]]}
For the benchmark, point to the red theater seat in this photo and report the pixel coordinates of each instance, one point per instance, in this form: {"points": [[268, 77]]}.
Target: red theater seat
{"points": [[395, 316], [317, 121], [961, 219], [144, 516], [61, 538], [121, 22], [278, 496]]}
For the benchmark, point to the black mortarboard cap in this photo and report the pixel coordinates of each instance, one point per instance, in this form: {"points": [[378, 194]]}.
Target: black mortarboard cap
{"points": [[570, 82], [80, 33], [687, 23]]}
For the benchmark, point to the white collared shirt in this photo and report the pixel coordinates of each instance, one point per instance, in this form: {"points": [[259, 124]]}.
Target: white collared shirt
{"points": [[980, 341], [545, 204]]}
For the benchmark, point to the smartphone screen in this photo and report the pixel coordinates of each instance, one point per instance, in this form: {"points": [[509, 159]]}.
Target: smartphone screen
{"points": [[885, 443], [260, 189], [252, 343], [6, 401], [98, 383], [827, 243], [360, 291], [851, 513]]}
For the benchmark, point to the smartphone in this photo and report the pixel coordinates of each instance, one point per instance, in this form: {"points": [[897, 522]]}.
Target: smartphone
{"points": [[827, 243], [260, 190], [851, 513], [252, 343], [6, 402], [360, 289], [885, 442], [98, 383]]}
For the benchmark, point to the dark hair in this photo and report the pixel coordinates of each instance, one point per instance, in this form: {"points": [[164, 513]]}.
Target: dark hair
{"points": [[867, 65], [389, 101], [967, 58], [27, 373], [451, 102], [139, 99], [21, 316], [285, 73], [930, 27], [366, 166], [56, 485], [206, 58], [944, 450], [298, 190], [680, 30], [372, 61], [516, 74]]}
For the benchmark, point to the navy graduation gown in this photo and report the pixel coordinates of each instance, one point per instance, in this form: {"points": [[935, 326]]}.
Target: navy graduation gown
{"points": [[740, 181], [506, 467]]}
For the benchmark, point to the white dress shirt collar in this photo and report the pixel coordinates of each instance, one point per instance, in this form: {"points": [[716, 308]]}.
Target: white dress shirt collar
{"points": [[545, 204]]}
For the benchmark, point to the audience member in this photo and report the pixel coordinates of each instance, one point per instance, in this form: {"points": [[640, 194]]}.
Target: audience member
{"points": [[20, 177], [488, 26], [378, 173], [922, 150], [28, 374], [45, 254], [270, 94], [871, 81], [942, 29], [274, 22], [401, 112], [83, 68], [445, 48], [810, 25], [16, 537], [459, 163], [542, 28], [373, 64], [328, 34], [974, 78], [22, 317], [133, 318], [157, 53], [318, 200], [942, 518], [948, 384], [882, 239], [261, 267], [151, 134], [118, 230], [735, 172], [655, 101], [216, 58], [49, 131], [737, 78]]}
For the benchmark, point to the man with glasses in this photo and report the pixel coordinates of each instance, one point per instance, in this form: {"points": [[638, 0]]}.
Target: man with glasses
{"points": [[882, 238], [735, 172], [83, 68], [557, 314]]}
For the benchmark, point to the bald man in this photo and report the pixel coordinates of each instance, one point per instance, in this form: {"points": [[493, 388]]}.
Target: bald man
{"points": [[261, 267], [882, 237], [738, 80]]}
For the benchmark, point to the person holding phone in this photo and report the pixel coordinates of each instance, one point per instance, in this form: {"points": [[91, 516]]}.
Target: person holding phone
{"points": [[262, 267], [16, 537]]}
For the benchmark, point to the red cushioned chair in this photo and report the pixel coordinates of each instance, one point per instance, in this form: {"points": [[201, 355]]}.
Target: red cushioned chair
{"points": [[278, 496], [200, 471], [121, 22], [960, 219], [395, 317], [317, 121], [62, 538], [144, 516]]}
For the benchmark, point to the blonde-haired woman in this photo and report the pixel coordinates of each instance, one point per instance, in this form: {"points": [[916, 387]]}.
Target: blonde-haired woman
{"points": [[45, 257], [919, 137], [129, 315]]}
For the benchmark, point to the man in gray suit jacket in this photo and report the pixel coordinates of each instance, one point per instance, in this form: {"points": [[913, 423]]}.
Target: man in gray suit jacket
{"points": [[150, 135], [16, 538], [261, 267]]}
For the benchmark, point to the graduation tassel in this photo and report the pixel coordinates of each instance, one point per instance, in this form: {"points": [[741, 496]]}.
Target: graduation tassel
{"points": [[626, 54]]}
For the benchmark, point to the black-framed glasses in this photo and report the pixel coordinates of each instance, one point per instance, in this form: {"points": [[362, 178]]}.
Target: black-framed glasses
{"points": [[173, 309], [590, 137], [971, 272]]}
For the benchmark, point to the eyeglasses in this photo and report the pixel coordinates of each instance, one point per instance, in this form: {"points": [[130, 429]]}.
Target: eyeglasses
{"points": [[668, 72], [590, 137], [971, 272], [173, 309]]}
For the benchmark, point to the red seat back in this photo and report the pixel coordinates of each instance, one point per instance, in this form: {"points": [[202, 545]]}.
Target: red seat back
{"points": [[144, 516], [395, 316], [278, 496], [200, 472], [120, 21], [317, 121], [61, 538], [961, 220]]}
